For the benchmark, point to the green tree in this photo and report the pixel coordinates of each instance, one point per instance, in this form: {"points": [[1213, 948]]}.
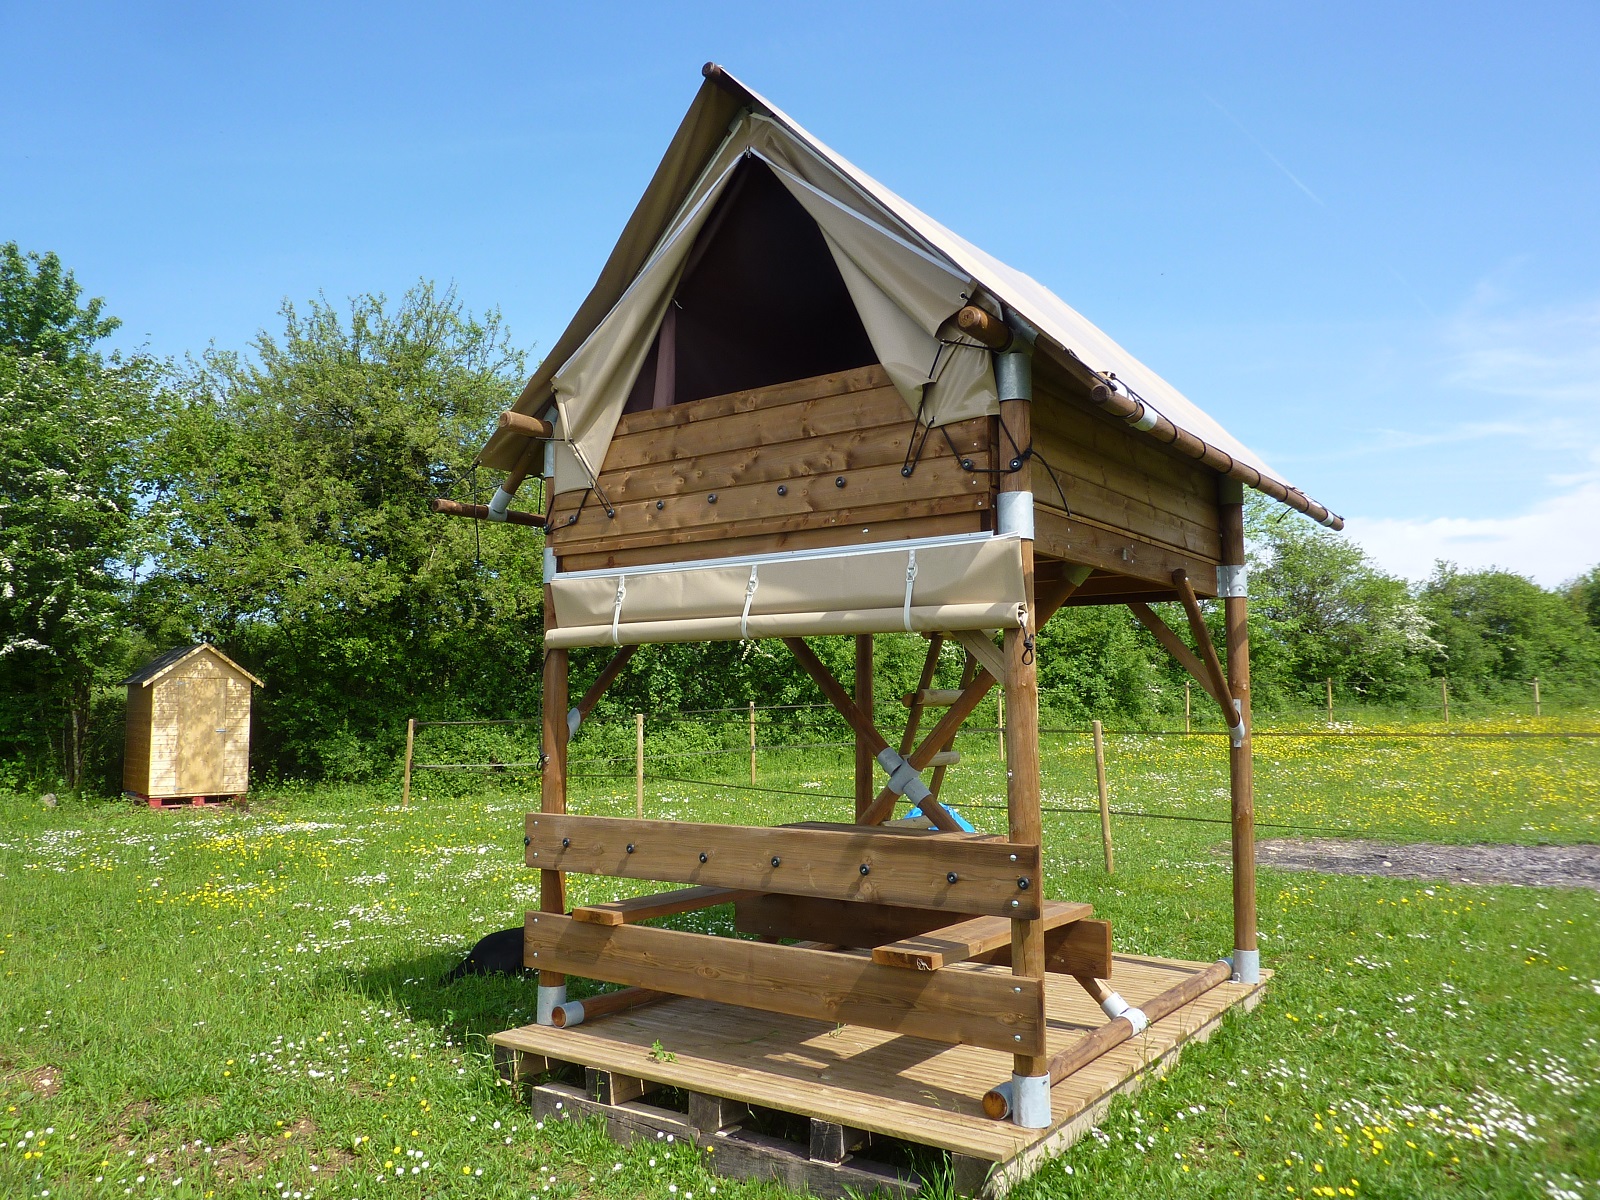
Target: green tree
{"points": [[295, 487], [1584, 592], [1320, 609], [72, 427], [1499, 629]]}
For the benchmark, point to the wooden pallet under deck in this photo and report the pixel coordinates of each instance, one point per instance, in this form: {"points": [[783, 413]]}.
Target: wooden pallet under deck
{"points": [[902, 1088]]}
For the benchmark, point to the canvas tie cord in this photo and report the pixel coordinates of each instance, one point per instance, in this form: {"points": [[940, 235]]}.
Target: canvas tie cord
{"points": [[911, 579], [749, 598]]}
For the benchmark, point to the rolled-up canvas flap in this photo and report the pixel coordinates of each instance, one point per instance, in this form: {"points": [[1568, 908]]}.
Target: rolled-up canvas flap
{"points": [[971, 581]]}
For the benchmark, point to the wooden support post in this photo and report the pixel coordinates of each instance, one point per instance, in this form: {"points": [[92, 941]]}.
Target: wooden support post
{"points": [[480, 512], [752, 743], [405, 782], [638, 765], [1536, 711], [553, 781], [1241, 778], [1330, 702], [1444, 691], [865, 763], [1105, 799], [1024, 818], [1188, 704]]}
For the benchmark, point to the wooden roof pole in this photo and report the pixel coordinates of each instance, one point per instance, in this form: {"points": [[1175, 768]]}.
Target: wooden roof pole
{"points": [[984, 327]]}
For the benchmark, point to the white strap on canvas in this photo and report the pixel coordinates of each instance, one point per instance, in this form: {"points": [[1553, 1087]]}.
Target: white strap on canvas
{"points": [[749, 598], [911, 579], [616, 610]]}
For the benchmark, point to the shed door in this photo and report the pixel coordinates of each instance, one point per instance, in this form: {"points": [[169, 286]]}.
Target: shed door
{"points": [[202, 734]]}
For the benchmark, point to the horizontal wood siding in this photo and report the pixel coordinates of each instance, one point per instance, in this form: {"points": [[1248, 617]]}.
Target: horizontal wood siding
{"points": [[835, 444], [1104, 472]]}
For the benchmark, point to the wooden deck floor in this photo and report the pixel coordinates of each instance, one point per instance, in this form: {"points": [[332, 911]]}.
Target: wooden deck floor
{"points": [[901, 1087]]}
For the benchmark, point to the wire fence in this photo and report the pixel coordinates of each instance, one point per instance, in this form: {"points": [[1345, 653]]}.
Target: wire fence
{"points": [[757, 738]]}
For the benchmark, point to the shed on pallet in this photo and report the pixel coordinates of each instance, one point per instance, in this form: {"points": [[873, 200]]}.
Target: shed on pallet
{"points": [[188, 733], [795, 406]]}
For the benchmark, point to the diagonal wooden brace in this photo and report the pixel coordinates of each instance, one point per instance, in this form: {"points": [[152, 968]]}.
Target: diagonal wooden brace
{"points": [[1175, 647], [956, 715], [862, 723], [1219, 690], [608, 674]]}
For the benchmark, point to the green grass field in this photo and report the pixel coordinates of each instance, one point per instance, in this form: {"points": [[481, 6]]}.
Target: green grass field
{"points": [[222, 1003]]}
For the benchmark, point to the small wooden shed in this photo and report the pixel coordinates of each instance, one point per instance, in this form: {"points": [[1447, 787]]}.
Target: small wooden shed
{"points": [[188, 727]]}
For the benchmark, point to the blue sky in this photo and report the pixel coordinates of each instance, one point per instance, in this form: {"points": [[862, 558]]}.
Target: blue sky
{"points": [[1363, 236]]}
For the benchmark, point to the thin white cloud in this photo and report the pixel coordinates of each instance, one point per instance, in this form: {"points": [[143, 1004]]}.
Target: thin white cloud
{"points": [[1551, 542], [1541, 369]]}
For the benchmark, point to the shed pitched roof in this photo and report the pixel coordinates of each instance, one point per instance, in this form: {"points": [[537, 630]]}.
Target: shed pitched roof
{"points": [[162, 664], [719, 113]]}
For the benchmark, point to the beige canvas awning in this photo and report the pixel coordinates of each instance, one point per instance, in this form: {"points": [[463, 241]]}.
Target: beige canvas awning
{"points": [[900, 266], [970, 581], [902, 292]]}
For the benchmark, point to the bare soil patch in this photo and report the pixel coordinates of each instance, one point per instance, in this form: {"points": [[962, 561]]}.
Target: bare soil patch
{"points": [[1528, 866], [43, 1082]]}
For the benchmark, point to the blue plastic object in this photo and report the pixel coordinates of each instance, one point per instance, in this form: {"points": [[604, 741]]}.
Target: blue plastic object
{"points": [[966, 825]]}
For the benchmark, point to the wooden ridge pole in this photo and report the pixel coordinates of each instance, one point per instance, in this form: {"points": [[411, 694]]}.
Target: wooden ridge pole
{"points": [[1241, 774], [865, 763]]}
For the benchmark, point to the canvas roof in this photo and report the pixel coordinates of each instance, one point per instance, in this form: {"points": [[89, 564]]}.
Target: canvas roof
{"points": [[905, 271], [162, 664]]}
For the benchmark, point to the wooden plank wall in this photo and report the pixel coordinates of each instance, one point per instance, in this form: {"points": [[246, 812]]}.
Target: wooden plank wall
{"points": [[187, 756], [834, 445], [1130, 506]]}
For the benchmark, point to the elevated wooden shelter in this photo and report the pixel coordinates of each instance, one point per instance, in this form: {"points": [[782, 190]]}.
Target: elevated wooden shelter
{"points": [[795, 406], [188, 727]]}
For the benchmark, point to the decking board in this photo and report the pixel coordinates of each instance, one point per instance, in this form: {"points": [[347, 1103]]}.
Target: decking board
{"points": [[900, 1087]]}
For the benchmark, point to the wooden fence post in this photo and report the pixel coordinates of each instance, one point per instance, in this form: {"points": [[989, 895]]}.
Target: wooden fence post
{"points": [[1536, 711], [752, 743], [638, 765], [1105, 800], [405, 784], [1330, 702], [1187, 704], [1000, 721], [1444, 690]]}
